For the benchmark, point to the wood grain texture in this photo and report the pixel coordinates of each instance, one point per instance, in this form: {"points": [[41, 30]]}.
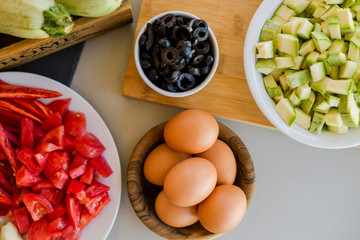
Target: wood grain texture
{"points": [[228, 91], [142, 194]]}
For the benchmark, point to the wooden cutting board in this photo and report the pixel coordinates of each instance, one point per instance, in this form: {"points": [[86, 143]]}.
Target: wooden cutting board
{"points": [[227, 95]]}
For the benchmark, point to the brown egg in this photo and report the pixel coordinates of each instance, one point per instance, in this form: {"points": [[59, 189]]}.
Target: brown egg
{"points": [[190, 182], [191, 131], [221, 155], [223, 209], [173, 215], [160, 161]]}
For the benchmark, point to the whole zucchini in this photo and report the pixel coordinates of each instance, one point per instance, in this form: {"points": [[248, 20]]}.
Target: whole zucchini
{"points": [[34, 19], [90, 8]]}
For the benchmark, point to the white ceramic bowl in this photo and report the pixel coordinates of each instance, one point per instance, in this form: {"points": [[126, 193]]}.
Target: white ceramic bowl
{"points": [[215, 50], [325, 139]]}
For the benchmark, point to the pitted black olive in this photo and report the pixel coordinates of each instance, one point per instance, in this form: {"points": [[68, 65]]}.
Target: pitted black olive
{"points": [[200, 23], [180, 65], [201, 34], [194, 71], [164, 71], [156, 55], [180, 21], [142, 40], [205, 70], [186, 81], [172, 77], [197, 60], [153, 76], [184, 48], [172, 88], [169, 20], [164, 42], [191, 25], [202, 47], [182, 33], [159, 27], [145, 60], [169, 56], [150, 37], [208, 60]]}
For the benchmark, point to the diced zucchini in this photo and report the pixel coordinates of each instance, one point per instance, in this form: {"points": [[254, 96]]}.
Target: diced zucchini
{"points": [[339, 45], [321, 10], [302, 119], [311, 58], [265, 66], [283, 82], [349, 110], [271, 87], [265, 49], [339, 86], [278, 20], [348, 70], [298, 78], [317, 71], [345, 20], [354, 49], [332, 100], [297, 5], [334, 27], [286, 111], [334, 72], [335, 58], [298, 62], [294, 99], [334, 1], [321, 105], [276, 74], [303, 91], [284, 62], [287, 43], [284, 12], [333, 118], [269, 31], [339, 130], [307, 47], [348, 3], [317, 122], [305, 28], [307, 104], [331, 12], [321, 41], [320, 86], [291, 27]]}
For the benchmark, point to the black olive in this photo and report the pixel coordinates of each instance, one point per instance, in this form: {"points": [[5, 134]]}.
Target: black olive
{"points": [[172, 88], [186, 81], [180, 65], [182, 33], [180, 21], [197, 60], [164, 71], [194, 71], [153, 76], [205, 70], [156, 54], [150, 38], [200, 23], [169, 20], [172, 77], [184, 48], [201, 34], [145, 60], [142, 40], [159, 27], [209, 60], [170, 56], [164, 42], [202, 47], [191, 25]]}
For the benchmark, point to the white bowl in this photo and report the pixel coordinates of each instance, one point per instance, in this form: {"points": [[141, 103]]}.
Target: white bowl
{"points": [[325, 139], [215, 50]]}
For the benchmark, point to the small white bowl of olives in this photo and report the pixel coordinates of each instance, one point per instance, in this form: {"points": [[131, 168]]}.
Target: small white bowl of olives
{"points": [[176, 54]]}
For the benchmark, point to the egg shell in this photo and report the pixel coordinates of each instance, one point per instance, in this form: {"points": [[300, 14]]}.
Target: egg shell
{"points": [[191, 131], [223, 209], [190, 182], [159, 161], [173, 215], [221, 155]]}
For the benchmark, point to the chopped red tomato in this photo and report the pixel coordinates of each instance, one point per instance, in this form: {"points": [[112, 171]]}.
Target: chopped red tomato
{"points": [[54, 136], [5, 198], [37, 205], [89, 145], [26, 157], [58, 212], [27, 133], [41, 158], [4, 183], [25, 178], [78, 166], [52, 122], [22, 219], [70, 233], [56, 227], [74, 208], [96, 204], [54, 196], [101, 165], [59, 178], [85, 218], [95, 189], [75, 123], [60, 105], [43, 184], [88, 175], [38, 230], [55, 161]]}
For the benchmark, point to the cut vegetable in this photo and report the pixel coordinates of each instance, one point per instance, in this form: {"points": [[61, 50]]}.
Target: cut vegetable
{"points": [[90, 8], [286, 111]]}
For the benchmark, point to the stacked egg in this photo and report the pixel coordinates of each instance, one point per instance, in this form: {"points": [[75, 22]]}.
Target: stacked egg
{"points": [[197, 172]]}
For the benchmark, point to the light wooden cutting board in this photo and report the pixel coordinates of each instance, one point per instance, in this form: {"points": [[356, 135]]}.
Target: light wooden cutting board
{"points": [[227, 95]]}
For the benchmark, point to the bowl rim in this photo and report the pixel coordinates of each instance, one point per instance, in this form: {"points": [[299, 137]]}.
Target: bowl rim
{"points": [[137, 184], [325, 139], [214, 46]]}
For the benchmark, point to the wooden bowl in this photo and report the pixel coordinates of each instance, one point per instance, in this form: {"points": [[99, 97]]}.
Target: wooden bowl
{"points": [[142, 194]]}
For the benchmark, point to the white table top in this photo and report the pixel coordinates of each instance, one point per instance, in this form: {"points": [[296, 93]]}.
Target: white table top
{"points": [[301, 192]]}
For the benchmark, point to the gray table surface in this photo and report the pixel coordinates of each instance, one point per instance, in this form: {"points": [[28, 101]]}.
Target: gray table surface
{"points": [[301, 192]]}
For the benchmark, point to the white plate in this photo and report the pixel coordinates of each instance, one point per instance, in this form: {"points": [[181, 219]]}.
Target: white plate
{"points": [[100, 227], [325, 139]]}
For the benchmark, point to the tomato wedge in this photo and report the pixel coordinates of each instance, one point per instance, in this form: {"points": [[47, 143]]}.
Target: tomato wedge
{"points": [[37, 205], [58, 212], [60, 105], [75, 123], [96, 204], [25, 178], [101, 165], [74, 208], [38, 230], [22, 219], [52, 122], [89, 145]]}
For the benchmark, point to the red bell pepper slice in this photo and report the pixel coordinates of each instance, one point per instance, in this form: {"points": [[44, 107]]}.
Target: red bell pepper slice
{"points": [[88, 175], [74, 209], [85, 218], [96, 204], [54, 196], [58, 212], [52, 122], [7, 149], [25, 178], [22, 218], [75, 123], [38, 230], [26, 157], [70, 233], [60, 105], [37, 205], [10, 128], [43, 184], [95, 189], [89, 145], [101, 165]]}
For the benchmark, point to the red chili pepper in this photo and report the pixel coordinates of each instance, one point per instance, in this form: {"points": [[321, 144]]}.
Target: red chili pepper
{"points": [[8, 105], [13, 91], [7, 149]]}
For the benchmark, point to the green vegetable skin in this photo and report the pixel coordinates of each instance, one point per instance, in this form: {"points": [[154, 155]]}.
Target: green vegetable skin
{"points": [[90, 8], [34, 19]]}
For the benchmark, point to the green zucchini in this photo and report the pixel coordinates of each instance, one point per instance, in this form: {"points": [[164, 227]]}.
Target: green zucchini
{"points": [[90, 8], [34, 19]]}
